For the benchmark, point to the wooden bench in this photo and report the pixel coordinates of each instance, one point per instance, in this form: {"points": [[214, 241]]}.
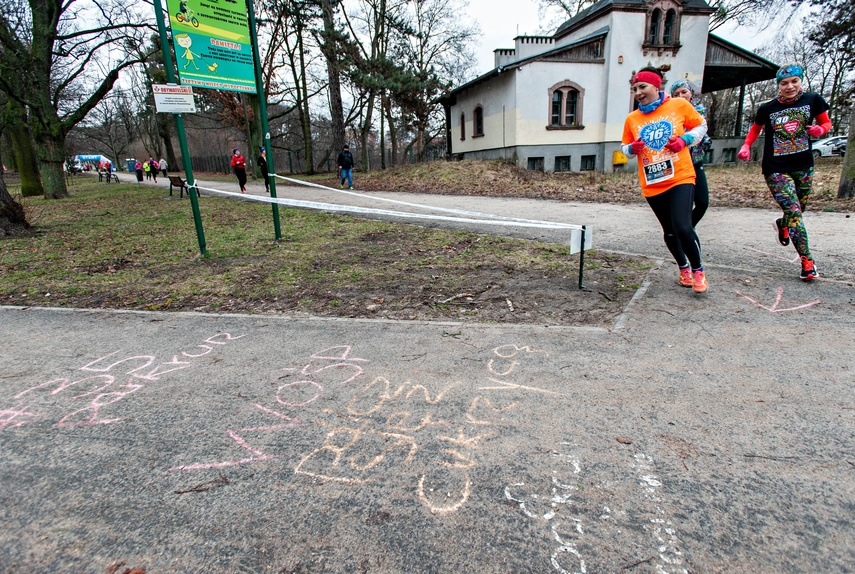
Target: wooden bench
{"points": [[175, 181], [110, 176]]}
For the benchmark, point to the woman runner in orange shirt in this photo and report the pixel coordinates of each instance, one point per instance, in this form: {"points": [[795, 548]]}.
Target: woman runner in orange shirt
{"points": [[659, 133]]}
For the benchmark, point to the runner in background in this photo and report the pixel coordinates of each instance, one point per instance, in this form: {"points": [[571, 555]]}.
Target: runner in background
{"points": [[659, 133], [262, 165], [787, 157], [239, 165], [684, 89]]}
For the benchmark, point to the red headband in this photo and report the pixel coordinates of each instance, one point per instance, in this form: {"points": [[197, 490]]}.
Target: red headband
{"points": [[648, 77]]}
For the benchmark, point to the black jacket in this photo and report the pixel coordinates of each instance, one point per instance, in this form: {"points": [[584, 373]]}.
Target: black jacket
{"points": [[345, 160]]}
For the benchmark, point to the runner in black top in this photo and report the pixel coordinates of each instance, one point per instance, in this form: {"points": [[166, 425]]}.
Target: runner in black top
{"points": [[787, 158]]}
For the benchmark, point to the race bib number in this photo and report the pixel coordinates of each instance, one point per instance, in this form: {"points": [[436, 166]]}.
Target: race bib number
{"points": [[659, 171]]}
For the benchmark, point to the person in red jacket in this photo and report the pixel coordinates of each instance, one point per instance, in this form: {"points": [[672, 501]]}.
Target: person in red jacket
{"points": [[239, 165], [787, 158], [659, 133]]}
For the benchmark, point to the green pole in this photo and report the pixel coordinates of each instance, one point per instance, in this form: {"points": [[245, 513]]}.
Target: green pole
{"points": [[179, 127], [262, 108]]}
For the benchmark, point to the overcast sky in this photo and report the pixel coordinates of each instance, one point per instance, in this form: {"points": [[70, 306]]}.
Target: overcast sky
{"points": [[502, 20]]}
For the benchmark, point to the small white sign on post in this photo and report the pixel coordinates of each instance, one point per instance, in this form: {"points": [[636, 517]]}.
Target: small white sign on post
{"points": [[173, 99]]}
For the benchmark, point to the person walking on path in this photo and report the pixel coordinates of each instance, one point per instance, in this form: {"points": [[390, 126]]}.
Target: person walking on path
{"points": [[684, 89], [162, 165], [262, 165], [147, 169], [239, 165], [152, 168], [659, 133], [787, 162], [345, 165]]}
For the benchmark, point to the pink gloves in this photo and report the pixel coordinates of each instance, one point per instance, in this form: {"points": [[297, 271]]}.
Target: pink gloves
{"points": [[675, 143], [744, 152], [815, 131], [637, 147]]}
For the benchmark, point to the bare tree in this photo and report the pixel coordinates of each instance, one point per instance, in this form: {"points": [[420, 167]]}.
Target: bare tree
{"points": [[111, 126], [836, 24], [59, 66], [436, 55]]}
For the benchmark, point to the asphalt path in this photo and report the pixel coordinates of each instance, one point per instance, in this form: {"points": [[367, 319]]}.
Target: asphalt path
{"points": [[697, 434]]}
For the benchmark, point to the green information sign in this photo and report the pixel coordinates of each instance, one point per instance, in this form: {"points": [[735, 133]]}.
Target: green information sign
{"points": [[212, 44]]}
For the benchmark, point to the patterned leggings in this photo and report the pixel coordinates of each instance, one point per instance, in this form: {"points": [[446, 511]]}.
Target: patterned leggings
{"points": [[791, 191]]}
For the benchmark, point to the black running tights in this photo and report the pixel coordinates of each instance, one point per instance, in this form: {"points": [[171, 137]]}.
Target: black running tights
{"points": [[673, 209]]}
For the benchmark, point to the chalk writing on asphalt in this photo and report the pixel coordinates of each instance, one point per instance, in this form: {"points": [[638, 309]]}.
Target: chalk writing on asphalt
{"points": [[431, 432], [574, 511], [82, 401]]}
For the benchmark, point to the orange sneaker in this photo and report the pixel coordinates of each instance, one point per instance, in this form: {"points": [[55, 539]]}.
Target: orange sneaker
{"points": [[699, 281], [685, 276]]}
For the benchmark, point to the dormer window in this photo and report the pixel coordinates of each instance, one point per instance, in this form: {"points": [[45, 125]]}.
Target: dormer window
{"points": [[653, 29], [663, 27], [668, 30]]}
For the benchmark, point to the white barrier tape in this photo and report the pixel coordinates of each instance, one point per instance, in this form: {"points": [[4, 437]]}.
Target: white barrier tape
{"points": [[434, 208], [369, 210]]}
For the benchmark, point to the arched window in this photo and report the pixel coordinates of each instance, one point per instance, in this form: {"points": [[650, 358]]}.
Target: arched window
{"points": [[565, 106], [557, 101], [570, 108], [663, 26], [668, 30], [478, 129], [653, 34], [462, 127]]}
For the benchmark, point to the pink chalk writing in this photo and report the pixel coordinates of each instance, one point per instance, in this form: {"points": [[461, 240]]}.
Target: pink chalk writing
{"points": [[774, 307], [17, 415], [94, 407], [258, 454], [787, 259], [92, 393], [294, 395]]}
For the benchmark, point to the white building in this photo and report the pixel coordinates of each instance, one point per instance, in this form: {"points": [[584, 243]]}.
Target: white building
{"points": [[558, 103]]}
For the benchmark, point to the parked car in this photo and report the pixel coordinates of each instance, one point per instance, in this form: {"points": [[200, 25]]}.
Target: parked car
{"points": [[827, 147], [841, 148]]}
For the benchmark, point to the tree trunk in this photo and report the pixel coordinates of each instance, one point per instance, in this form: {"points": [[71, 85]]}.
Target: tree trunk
{"points": [[329, 50], [305, 115], [847, 177], [163, 123], [382, 130], [365, 130], [420, 141], [393, 134], [12, 218], [51, 152], [25, 153]]}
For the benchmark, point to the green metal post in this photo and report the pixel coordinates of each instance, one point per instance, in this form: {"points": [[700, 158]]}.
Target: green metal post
{"points": [[262, 108], [582, 259], [179, 127]]}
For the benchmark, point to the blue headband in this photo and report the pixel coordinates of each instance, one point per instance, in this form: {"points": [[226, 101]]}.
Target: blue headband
{"points": [[682, 84], [789, 71]]}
